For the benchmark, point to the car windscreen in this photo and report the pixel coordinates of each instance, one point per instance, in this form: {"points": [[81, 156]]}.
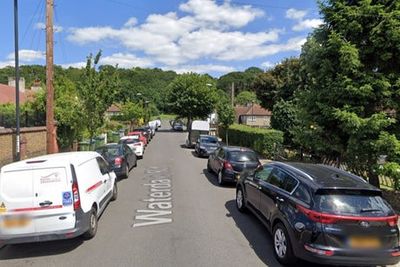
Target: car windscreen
{"points": [[242, 156], [130, 141], [209, 140], [352, 203]]}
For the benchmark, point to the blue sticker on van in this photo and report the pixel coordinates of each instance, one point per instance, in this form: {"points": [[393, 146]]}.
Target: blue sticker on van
{"points": [[67, 198]]}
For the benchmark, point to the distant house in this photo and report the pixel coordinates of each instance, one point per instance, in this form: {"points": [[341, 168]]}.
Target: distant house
{"points": [[7, 94], [253, 115], [113, 110]]}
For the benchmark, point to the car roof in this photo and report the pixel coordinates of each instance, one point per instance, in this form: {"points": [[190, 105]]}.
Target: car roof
{"points": [[109, 145], [237, 148], [321, 176], [51, 160]]}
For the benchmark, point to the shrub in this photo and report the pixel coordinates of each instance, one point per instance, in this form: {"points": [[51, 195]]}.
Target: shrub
{"points": [[265, 141]]}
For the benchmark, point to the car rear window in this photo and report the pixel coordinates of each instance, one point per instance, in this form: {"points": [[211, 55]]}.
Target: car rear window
{"points": [[110, 152], [210, 140], [130, 141], [353, 203], [243, 156]]}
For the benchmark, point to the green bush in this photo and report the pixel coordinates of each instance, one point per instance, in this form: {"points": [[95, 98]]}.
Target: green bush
{"points": [[265, 141]]}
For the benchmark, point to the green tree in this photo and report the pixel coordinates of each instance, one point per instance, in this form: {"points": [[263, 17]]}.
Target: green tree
{"points": [[278, 83], [352, 71], [97, 92], [226, 116], [246, 97], [132, 113], [191, 96], [242, 80], [284, 118]]}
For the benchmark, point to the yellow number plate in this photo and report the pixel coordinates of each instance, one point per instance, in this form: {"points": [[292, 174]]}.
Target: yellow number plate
{"points": [[16, 222], [365, 242]]}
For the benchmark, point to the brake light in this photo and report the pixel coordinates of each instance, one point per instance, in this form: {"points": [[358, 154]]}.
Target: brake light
{"points": [[396, 254], [75, 194], [118, 162], [326, 218], [227, 165]]}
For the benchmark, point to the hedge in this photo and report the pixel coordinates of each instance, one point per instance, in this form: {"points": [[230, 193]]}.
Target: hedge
{"points": [[264, 141]]}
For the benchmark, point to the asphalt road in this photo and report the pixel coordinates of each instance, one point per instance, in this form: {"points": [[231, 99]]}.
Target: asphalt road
{"points": [[200, 227]]}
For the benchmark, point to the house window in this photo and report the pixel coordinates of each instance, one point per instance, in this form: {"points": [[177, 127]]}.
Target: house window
{"points": [[251, 119]]}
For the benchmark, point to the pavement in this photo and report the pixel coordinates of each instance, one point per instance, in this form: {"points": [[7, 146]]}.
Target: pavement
{"points": [[169, 212]]}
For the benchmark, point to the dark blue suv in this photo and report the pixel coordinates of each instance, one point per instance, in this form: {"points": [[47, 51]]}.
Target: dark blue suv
{"points": [[321, 214]]}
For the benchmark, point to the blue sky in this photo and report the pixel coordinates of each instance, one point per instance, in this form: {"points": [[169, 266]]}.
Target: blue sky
{"points": [[205, 36]]}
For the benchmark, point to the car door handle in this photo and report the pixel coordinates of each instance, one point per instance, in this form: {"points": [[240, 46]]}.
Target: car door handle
{"points": [[105, 181], [45, 203], [280, 199]]}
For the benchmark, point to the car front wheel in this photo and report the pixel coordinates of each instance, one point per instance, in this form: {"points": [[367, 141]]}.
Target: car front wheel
{"points": [[220, 178], [240, 200], [282, 245]]}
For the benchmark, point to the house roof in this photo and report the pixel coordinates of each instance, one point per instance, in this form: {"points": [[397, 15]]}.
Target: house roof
{"points": [[255, 110], [114, 108], [7, 95]]}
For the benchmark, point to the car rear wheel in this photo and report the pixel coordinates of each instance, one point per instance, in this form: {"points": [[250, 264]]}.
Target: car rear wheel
{"points": [[126, 175], [209, 167], [220, 178], [114, 193], [91, 232], [282, 245], [240, 200]]}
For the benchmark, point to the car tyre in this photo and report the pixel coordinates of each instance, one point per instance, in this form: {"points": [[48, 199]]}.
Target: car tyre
{"points": [[114, 192], [220, 178], [282, 245], [240, 200], [126, 175], [91, 232]]}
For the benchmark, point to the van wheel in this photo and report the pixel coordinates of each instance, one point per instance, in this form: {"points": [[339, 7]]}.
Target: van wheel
{"points": [[282, 245], [114, 192], [89, 234]]}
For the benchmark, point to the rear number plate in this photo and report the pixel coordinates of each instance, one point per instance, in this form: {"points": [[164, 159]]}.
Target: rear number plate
{"points": [[364, 242], [16, 221]]}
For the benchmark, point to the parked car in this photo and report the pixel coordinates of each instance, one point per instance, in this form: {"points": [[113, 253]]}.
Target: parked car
{"points": [[228, 162], [145, 131], [206, 145], [57, 196], [139, 135], [153, 126], [134, 143], [196, 129], [321, 214], [177, 126], [158, 123], [120, 157]]}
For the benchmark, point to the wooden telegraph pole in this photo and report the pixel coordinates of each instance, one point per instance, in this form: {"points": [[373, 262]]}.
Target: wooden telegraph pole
{"points": [[50, 123]]}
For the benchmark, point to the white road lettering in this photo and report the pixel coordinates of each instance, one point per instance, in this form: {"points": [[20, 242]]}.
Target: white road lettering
{"points": [[159, 205]]}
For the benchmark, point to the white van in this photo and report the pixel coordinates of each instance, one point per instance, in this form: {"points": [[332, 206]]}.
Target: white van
{"points": [[196, 129], [56, 196]]}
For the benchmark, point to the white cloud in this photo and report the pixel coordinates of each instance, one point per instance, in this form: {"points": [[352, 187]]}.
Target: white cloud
{"points": [[126, 61], [6, 63], [77, 65], [221, 15], [42, 26], [267, 65], [295, 14], [28, 55], [307, 24], [205, 68], [131, 22]]}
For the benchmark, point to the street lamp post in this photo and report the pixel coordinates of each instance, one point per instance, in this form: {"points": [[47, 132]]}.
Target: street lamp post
{"points": [[17, 126]]}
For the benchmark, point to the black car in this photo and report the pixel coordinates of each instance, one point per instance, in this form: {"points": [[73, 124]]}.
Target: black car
{"points": [[120, 157], [321, 214], [206, 145], [177, 126], [228, 162]]}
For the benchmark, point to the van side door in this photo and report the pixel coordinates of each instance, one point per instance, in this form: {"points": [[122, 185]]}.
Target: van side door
{"points": [[106, 179]]}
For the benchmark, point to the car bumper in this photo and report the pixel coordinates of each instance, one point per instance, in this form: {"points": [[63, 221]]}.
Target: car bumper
{"points": [[81, 226], [353, 258], [119, 171], [231, 176], [204, 153]]}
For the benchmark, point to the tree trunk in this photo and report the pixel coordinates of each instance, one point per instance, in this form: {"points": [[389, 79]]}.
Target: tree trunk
{"points": [[226, 136]]}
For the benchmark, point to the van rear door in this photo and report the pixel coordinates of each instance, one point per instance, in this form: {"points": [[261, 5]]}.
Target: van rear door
{"points": [[53, 203], [16, 193]]}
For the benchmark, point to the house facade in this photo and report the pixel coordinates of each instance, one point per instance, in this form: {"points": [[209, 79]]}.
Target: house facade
{"points": [[253, 115]]}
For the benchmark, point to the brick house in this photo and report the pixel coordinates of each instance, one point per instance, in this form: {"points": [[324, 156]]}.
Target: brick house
{"points": [[253, 115]]}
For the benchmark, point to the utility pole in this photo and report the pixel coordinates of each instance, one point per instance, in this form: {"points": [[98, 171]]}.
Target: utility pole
{"points": [[17, 126], [50, 123], [233, 94]]}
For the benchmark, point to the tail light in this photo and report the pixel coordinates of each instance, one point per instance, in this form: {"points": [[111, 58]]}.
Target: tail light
{"points": [[118, 162], [227, 165], [75, 194], [326, 218]]}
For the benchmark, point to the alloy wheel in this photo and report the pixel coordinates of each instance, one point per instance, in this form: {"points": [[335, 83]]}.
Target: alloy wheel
{"points": [[280, 243]]}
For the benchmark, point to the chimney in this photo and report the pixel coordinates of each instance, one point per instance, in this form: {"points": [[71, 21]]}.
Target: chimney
{"points": [[11, 82]]}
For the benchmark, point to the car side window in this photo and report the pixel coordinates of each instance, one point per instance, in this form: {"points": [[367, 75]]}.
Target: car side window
{"points": [[290, 183], [127, 149], [302, 194], [283, 180], [103, 166], [221, 153], [264, 173]]}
